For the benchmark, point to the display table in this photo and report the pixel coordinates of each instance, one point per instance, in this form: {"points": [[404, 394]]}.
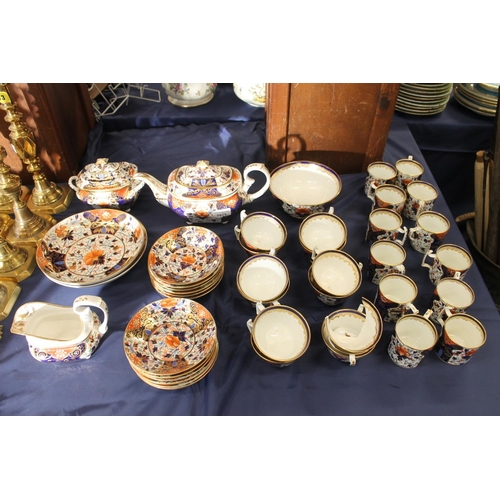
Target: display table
{"points": [[241, 383]]}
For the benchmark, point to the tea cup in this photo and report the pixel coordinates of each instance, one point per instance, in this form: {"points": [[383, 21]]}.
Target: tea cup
{"points": [[262, 278], [449, 261], [260, 232], [386, 257], [279, 333], [334, 275], [389, 196], [461, 337], [451, 295], [429, 232], [408, 170], [413, 337], [385, 224], [379, 172], [420, 197], [322, 231], [395, 296]]}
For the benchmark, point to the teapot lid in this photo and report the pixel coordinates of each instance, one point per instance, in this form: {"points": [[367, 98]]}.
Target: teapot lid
{"points": [[104, 175], [206, 180]]}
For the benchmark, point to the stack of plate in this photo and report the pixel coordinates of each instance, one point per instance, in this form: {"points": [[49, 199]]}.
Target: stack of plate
{"points": [[423, 98], [481, 98], [186, 262], [171, 343], [91, 248]]}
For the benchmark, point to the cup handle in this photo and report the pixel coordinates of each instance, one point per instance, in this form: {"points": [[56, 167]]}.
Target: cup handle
{"points": [[272, 251], [331, 210], [430, 254], [360, 265], [250, 325], [237, 232], [82, 303], [401, 268], [428, 313], [414, 310], [403, 230], [352, 359], [259, 307], [314, 253], [457, 274], [243, 215]]}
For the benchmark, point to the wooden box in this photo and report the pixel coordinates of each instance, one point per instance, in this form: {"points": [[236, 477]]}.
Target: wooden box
{"points": [[342, 125]]}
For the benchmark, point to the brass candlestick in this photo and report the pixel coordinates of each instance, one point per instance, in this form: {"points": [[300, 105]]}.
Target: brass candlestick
{"points": [[8, 180], [16, 261], [28, 227], [46, 196]]}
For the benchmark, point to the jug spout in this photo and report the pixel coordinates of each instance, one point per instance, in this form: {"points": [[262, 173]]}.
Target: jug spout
{"points": [[160, 190]]}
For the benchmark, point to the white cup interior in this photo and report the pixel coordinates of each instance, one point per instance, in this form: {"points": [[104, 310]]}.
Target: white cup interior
{"points": [[388, 253], [280, 334], [453, 257], [346, 330], [398, 289], [455, 293], [422, 191], [381, 171], [464, 331], [390, 194], [323, 232], [335, 273], [433, 223], [409, 168], [416, 332], [263, 279], [385, 220], [262, 232]]}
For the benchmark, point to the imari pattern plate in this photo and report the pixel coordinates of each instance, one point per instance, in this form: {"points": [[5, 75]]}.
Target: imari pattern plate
{"points": [[91, 248]]}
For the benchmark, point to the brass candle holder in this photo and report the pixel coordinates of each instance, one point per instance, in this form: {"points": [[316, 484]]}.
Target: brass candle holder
{"points": [[28, 227], [16, 261], [9, 180], [46, 195], [9, 292]]}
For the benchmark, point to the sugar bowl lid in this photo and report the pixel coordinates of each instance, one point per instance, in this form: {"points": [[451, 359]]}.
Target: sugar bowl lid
{"points": [[105, 175], [205, 180]]}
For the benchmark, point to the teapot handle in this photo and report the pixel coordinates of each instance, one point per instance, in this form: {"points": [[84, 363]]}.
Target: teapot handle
{"points": [[248, 181], [81, 302]]}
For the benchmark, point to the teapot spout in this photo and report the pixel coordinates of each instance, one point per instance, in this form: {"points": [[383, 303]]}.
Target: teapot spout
{"points": [[160, 190]]}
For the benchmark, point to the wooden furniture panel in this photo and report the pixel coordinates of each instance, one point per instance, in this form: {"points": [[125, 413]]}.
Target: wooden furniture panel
{"points": [[343, 125], [61, 116]]}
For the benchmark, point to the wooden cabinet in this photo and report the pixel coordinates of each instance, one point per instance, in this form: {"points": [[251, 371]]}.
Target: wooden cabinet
{"points": [[342, 125], [61, 116]]}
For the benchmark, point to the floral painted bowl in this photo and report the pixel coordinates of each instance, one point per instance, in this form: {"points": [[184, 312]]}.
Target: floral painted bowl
{"points": [[188, 95]]}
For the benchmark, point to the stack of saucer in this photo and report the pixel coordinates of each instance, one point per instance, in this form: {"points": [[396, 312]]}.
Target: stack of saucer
{"points": [[481, 98], [186, 262], [171, 343], [423, 98]]}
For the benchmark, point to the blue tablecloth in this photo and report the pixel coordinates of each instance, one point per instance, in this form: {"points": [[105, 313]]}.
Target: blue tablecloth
{"points": [[241, 383]]}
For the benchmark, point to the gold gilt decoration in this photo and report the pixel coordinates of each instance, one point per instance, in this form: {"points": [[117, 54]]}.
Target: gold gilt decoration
{"points": [[46, 196]]}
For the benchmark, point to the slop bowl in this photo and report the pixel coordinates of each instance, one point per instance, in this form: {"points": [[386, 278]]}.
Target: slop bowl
{"points": [[304, 187]]}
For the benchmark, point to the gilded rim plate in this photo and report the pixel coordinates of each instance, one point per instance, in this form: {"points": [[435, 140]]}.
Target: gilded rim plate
{"points": [[169, 336], [91, 247]]}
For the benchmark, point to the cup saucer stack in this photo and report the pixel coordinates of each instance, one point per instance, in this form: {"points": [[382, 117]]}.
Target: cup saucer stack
{"points": [[423, 98], [171, 343], [186, 262]]}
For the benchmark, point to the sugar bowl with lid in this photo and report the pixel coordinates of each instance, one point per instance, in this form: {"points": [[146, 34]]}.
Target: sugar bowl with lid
{"points": [[206, 193], [107, 185]]}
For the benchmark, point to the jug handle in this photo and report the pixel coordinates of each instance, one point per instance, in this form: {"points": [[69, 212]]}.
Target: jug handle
{"points": [[248, 181], [83, 301]]}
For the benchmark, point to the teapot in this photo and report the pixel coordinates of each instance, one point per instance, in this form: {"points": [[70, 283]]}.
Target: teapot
{"points": [[60, 333], [107, 185], [206, 193]]}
